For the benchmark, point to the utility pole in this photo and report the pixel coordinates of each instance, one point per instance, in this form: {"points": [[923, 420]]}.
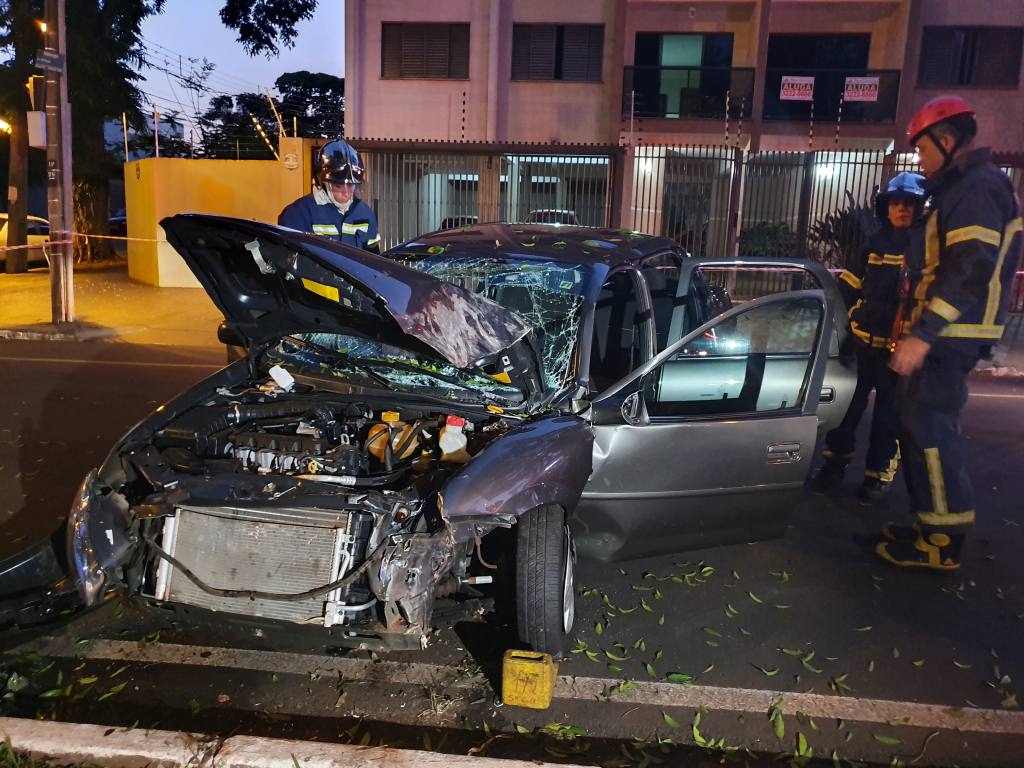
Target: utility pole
{"points": [[53, 59]]}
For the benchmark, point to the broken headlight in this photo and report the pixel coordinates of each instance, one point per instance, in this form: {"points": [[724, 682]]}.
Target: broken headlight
{"points": [[89, 576]]}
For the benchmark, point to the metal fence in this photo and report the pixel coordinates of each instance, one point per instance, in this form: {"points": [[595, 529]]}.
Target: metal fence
{"points": [[717, 200], [684, 192], [414, 191], [713, 200]]}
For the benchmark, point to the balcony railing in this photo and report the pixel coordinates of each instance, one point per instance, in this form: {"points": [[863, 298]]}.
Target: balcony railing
{"points": [[829, 87], [687, 92]]}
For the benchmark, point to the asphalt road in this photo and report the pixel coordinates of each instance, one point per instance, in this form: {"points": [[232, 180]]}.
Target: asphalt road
{"points": [[810, 620]]}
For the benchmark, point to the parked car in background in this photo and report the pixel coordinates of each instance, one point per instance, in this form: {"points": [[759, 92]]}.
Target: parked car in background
{"points": [[453, 222], [119, 223], [552, 216], [392, 410], [38, 232]]}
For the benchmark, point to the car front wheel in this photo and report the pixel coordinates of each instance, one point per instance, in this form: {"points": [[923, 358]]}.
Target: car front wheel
{"points": [[545, 588]]}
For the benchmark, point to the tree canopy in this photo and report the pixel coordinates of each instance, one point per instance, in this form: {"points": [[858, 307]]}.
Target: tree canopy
{"points": [[317, 101], [265, 25], [105, 54]]}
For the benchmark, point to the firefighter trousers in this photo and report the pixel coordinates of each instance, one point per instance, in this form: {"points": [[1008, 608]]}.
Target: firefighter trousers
{"points": [[933, 448], [873, 373]]}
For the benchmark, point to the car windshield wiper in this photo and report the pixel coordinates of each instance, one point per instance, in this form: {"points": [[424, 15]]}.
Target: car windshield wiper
{"points": [[345, 359], [480, 394]]}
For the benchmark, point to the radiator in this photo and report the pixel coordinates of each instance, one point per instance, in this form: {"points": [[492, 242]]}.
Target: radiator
{"points": [[234, 548]]}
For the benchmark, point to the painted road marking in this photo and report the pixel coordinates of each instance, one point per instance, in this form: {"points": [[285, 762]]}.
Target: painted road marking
{"points": [[748, 700], [138, 363], [986, 394]]}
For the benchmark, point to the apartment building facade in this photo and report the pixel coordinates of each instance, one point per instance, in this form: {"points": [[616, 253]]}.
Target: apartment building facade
{"points": [[538, 88], [654, 71]]}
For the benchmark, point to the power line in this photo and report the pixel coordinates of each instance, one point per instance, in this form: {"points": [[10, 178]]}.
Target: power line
{"points": [[218, 72]]}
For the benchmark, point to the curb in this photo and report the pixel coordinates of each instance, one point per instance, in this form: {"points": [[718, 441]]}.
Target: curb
{"points": [[51, 332], [999, 372], [72, 743]]}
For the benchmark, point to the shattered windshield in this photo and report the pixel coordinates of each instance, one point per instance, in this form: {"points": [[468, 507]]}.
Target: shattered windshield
{"points": [[373, 363], [548, 296]]}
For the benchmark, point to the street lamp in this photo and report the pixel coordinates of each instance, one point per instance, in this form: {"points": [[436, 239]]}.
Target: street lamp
{"points": [[5, 126]]}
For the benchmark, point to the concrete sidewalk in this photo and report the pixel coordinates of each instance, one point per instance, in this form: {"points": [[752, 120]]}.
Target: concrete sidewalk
{"points": [[73, 744], [109, 306]]}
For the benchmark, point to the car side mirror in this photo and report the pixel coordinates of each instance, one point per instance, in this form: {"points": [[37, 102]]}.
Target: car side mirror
{"points": [[622, 408], [227, 334], [634, 409]]}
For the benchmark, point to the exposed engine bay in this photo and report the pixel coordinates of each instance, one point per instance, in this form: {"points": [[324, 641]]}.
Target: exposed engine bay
{"points": [[298, 505]]}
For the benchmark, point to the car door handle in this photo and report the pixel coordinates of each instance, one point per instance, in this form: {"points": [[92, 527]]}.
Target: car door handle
{"points": [[783, 453], [828, 394]]}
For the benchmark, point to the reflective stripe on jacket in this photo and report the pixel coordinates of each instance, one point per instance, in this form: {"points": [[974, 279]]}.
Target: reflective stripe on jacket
{"points": [[972, 247], [358, 227], [871, 286]]}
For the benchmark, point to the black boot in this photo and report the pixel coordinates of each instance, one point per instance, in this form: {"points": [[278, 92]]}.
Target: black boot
{"points": [[829, 478], [896, 532], [938, 552], [871, 490]]}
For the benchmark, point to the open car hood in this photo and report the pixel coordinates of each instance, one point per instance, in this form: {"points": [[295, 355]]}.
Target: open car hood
{"points": [[271, 282]]}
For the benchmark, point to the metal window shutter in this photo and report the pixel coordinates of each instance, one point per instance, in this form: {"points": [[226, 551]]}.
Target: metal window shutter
{"points": [[998, 56], [582, 51], [458, 63], [936, 66], [595, 51], [413, 51], [520, 51], [391, 50], [533, 52]]}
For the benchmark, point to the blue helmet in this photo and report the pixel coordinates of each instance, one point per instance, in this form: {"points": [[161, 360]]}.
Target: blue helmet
{"points": [[339, 163], [904, 184]]}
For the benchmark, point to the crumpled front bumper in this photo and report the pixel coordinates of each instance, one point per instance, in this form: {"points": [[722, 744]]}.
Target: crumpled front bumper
{"points": [[34, 584]]}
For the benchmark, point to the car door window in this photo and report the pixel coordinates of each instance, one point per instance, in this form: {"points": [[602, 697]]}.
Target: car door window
{"points": [[675, 315], [741, 282], [756, 361], [621, 328]]}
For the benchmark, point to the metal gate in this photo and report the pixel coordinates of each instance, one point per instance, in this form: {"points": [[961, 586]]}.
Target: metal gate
{"points": [[414, 190], [684, 192]]}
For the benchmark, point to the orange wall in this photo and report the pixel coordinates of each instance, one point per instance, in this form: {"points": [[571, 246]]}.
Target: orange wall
{"points": [[159, 187]]}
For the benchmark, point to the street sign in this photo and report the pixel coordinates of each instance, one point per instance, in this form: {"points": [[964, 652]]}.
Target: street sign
{"points": [[861, 89], [796, 88], [50, 60]]}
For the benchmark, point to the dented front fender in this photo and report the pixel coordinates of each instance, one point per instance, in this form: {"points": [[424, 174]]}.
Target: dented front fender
{"points": [[546, 461]]}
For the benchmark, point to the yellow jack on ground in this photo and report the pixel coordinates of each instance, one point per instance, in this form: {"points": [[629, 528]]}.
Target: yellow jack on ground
{"points": [[528, 679]]}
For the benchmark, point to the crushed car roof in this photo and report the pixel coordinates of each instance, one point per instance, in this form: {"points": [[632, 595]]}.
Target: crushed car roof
{"points": [[563, 243]]}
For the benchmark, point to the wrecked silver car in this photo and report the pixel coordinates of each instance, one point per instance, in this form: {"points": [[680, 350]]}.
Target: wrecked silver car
{"points": [[393, 411]]}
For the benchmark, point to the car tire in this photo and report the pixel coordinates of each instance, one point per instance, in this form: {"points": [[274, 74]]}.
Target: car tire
{"points": [[545, 584]]}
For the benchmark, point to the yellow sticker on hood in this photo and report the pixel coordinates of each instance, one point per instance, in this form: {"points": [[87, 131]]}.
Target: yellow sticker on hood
{"points": [[327, 291]]}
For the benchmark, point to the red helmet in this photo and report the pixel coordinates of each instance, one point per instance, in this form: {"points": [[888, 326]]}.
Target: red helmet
{"points": [[934, 112]]}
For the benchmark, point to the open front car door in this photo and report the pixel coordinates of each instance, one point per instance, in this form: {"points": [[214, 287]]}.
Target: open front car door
{"points": [[710, 442]]}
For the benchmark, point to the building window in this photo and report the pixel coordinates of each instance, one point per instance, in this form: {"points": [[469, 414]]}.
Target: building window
{"points": [[984, 56], [818, 51], [557, 51], [438, 51]]}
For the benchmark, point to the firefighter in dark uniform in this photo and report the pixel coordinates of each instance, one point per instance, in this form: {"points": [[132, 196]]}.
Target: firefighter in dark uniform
{"points": [[871, 290], [958, 307], [332, 208]]}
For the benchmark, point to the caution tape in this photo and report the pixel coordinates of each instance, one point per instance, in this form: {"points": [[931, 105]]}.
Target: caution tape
{"points": [[48, 245]]}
